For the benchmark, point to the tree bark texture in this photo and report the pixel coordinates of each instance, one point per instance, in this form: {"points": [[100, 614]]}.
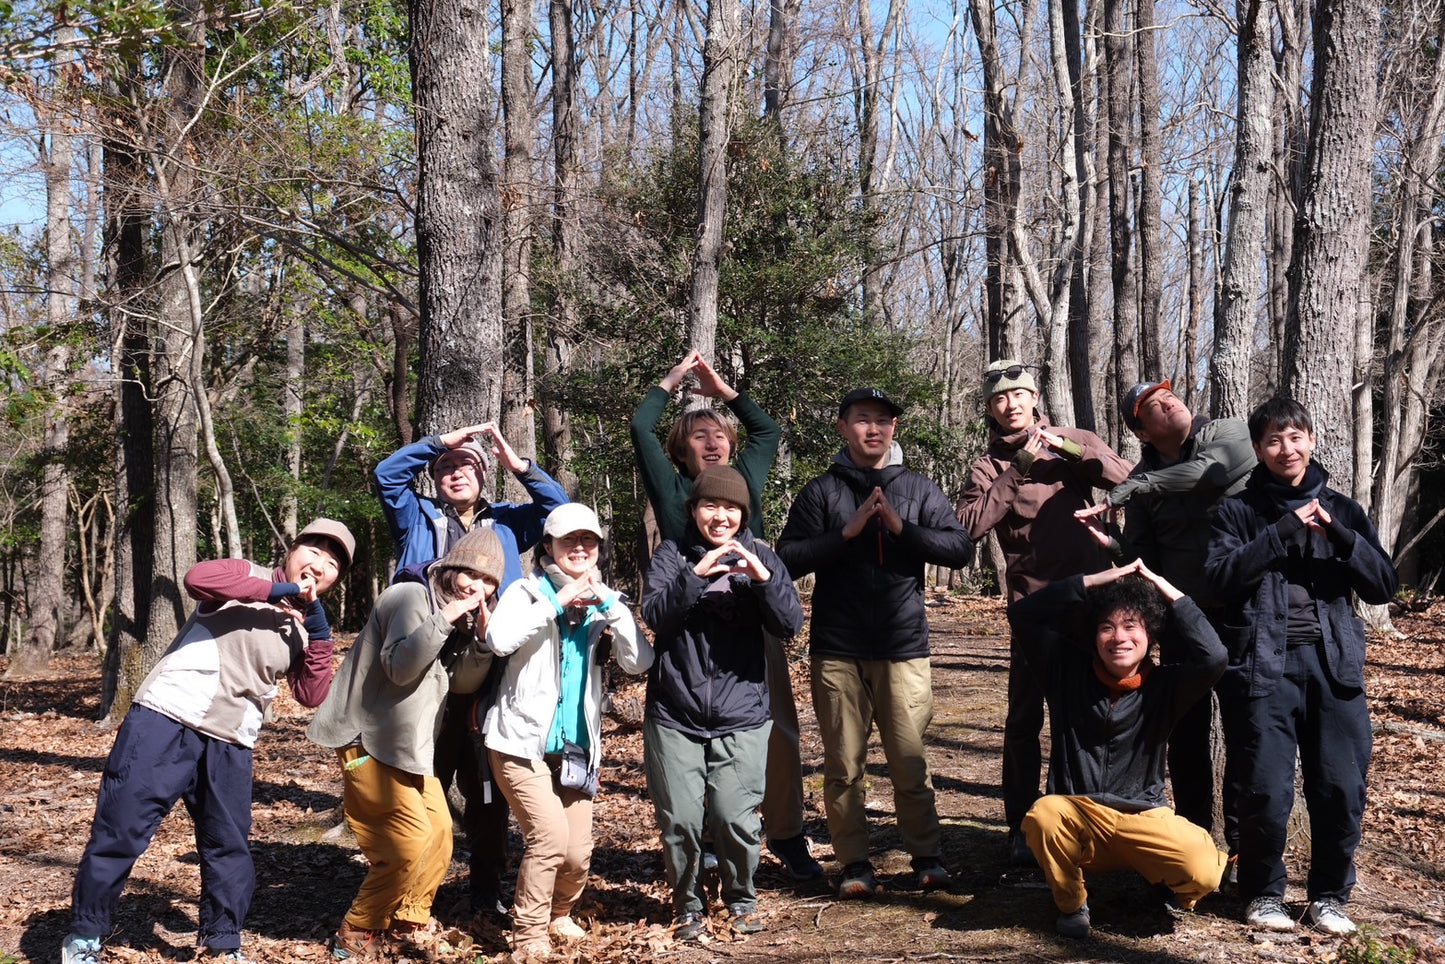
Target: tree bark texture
{"points": [[1120, 137], [1332, 226], [719, 73], [518, 213], [1242, 272], [458, 220], [566, 239], [1151, 193]]}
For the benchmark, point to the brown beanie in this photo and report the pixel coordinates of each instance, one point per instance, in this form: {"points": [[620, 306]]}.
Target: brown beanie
{"points": [[479, 551], [721, 482]]}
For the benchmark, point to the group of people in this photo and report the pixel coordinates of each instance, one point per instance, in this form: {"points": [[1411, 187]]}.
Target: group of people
{"points": [[477, 668]]}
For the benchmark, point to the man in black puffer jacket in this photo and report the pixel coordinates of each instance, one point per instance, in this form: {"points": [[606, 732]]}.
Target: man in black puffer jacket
{"points": [[867, 527]]}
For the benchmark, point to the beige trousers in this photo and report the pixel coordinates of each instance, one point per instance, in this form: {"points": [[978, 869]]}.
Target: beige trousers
{"points": [[850, 695], [557, 827], [1070, 835], [404, 829]]}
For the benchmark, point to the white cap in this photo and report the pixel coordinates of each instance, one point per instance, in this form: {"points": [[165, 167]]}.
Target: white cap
{"points": [[572, 517]]}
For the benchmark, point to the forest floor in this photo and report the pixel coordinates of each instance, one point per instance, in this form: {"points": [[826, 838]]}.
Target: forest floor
{"points": [[52, 753]]}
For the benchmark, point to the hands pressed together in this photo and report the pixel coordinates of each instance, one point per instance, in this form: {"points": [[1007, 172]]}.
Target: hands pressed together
{"points": [[711, 564], [876, 504], [487, 434], [709, 382]]}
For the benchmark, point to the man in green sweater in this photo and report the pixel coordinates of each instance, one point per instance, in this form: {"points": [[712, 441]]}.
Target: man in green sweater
{"points": [[701, 438]]}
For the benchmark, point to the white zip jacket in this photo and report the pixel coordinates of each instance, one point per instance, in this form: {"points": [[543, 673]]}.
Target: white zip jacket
{"points": [[524, 628]]}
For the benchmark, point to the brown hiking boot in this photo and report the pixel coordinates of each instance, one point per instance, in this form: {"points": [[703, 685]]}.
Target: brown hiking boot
{"points": [[354, 944]]}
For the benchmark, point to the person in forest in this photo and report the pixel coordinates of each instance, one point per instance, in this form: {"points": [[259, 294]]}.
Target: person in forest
{"points": [[425, 637], [191, 728], [544, 731], [1287, 557], [867, 527], [426, 528], [700, 438], [1025, 489], [1187, 467], [711, 599], [1088, 639]]}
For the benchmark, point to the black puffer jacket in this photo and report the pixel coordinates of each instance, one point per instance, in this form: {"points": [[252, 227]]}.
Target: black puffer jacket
{"points": [[868, 599], [1111, 751], [709, 677]]}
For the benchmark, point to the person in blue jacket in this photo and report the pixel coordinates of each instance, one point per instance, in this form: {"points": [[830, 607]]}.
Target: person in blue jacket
{"points": [[1286, 558], [426, 528]]}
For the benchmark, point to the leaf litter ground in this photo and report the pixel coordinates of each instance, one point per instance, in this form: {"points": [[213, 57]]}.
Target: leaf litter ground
{"points": [[52, 752]]}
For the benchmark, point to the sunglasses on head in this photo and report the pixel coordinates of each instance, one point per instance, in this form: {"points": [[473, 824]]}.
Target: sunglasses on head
{"points": [[1013, 371]]}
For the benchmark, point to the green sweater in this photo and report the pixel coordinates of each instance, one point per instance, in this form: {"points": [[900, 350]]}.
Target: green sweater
{"points": [[668, 489]]}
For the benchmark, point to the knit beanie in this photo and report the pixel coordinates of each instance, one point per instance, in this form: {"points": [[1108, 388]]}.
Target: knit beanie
{"points": [[478, 551], [721, 482], [1005, 375]]}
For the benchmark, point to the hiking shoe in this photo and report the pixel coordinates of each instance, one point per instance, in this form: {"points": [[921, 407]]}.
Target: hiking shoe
{"points": [[858, 882], [538, 950], [931, 874], [1328, 915], [566, 929], [1019, 853], [689, 926], [1269, 913], [354, 944], [1076, 924], [489, 904], [709, 859], [77, 949], [745, 918], [233, 954], [796, 856]]}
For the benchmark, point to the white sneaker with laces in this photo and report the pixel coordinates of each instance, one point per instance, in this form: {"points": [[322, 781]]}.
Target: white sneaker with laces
{"points": [[78, 949], [1269, 913], [1329, 916]]}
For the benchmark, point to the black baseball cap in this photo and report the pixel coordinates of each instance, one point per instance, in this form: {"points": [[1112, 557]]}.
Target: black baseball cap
{"points": [[868, 395], [1135, 396]]}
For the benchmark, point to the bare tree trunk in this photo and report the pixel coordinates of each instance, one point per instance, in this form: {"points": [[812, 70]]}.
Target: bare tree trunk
{"points": [[458, 229], [126, 218], [566, 243], [291, 389], [1107, 384], [778, 61], [1081, 368], [1126, 304], [47, 588], [1290, 126], [518, 195], [1332, 226], [1151, 192], [719, 73], [172, 366], [1236, 310], [1195, 308]]}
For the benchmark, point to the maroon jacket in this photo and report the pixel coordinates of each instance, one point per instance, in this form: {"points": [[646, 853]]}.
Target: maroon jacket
{"points": [[1033, 515]]}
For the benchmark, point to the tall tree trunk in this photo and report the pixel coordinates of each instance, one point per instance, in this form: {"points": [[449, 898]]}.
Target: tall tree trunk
{"points": [[126, 217], [292, 385], [1057, 383], [566, 240], [1332, 226], [47, 589], [518, 125], [172, 364], [1081, 367], [1121, 260], [778, 61], [719, 72], [1236, 310], [458, 231], [1151, 193], [1290, 133], [1195, 307], [868, 99], [1106, 387]]}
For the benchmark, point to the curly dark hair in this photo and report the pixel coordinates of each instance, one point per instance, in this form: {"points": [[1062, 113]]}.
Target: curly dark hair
{"points": [[1133, 594]]}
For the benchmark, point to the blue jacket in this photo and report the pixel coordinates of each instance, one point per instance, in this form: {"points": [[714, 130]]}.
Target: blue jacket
{"points": [[419, 524], [1253, 533]]}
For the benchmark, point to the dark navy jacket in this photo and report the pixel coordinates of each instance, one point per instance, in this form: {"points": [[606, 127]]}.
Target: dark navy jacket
{"points": [[1247, 554], [709, 676]]}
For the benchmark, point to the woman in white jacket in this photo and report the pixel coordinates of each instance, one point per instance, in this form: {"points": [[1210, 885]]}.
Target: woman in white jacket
{"points": [[544, 733]]}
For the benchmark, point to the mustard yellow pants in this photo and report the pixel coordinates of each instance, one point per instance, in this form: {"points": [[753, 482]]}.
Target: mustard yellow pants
{"points": [[1071, 835], [404, 829]]}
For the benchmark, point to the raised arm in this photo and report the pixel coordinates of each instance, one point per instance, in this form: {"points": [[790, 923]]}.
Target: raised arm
{"points": [[1222, 457]]}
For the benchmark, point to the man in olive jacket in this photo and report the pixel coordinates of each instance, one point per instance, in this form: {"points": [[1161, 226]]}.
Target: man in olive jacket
{"points": [[867, 527]]}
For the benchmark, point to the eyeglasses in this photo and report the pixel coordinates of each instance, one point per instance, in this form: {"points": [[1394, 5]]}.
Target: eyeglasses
{"points": [[1013, 371]]}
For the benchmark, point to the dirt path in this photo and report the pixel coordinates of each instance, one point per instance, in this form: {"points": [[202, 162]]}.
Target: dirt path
{"points": [[51, 754]]}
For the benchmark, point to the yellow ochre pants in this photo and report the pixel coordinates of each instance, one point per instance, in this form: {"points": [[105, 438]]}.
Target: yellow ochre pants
{"points": [[1070, 835]]}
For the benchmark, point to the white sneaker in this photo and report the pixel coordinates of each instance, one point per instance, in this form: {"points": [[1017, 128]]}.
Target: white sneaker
{"points": [[567, 929], [76, 949], [1329, 916], [1269, 913]]}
